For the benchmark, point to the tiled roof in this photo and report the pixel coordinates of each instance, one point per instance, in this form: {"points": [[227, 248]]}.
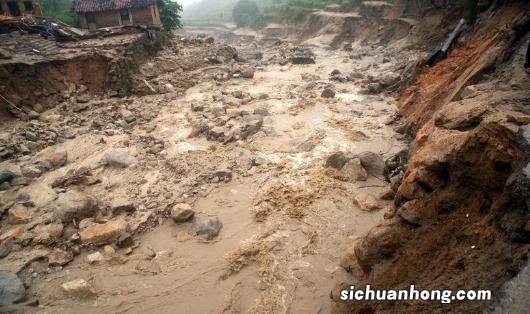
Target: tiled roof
{"points": [[109, 5]]}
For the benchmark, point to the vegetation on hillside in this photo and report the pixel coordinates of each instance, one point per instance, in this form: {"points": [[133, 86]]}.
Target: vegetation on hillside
{"points": [[60, 10], [285, 11], [170, 14], [247, 14], [215, 12]]}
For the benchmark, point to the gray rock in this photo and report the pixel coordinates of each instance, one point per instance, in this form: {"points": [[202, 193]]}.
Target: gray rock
{"points": [[251, 126], [87, 222], [33, 115], [237, 94], [83, 98], [328, 93], [395, 181], [75, 204], [4, 186], [208, 228], [337, 160], [6, 176], [30, 136], [217, 133], [222, 175], [311, 85], [6, 153], [118, 159], [127, 116], [55, 154], [372, 162], [17, 181], [353, 171], [31, 171], [261, 111], [118, 205], [45, 165], [374, 88], [302, 59], [182, 212], [68, 135], [469, 91], [389, 79], [95, 257], [24, 149], [11, 288], [261, 96]]}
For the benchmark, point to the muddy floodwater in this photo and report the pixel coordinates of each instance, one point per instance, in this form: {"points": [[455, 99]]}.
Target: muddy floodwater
{"points": [[286, 222]]}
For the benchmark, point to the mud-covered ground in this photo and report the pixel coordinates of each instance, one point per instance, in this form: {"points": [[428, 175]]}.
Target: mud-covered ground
{"points": [[212, 192]]}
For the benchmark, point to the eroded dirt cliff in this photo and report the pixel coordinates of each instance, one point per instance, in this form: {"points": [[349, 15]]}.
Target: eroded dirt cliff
{"points": [[459, 219]]}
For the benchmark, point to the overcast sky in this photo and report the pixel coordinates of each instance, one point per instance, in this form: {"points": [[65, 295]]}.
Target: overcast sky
{"points": [[186, 2]]}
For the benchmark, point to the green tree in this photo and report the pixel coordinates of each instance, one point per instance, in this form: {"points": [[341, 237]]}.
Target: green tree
{"points": [[60, 10], [246, 13], [170, 14]]}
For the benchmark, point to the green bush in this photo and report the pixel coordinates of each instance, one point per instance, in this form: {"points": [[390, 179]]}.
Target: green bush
{"points": [[60, 10], [246, 13], [170, 14]]}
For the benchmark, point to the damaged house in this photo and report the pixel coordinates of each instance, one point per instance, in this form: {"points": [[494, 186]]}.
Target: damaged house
{"points": [[20, 7], [95, 14]]}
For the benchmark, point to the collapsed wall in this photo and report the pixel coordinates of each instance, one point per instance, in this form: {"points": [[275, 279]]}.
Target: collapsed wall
{"points": [[98, 66], [460, 217]]}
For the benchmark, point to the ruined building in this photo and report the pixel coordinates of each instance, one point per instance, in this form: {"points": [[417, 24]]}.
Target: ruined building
{"points": [[107, 13], [20, 7]]}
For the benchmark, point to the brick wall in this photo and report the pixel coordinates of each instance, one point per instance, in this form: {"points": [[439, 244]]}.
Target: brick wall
{"points": [[142, 16], [82, 20], [107, 19], [148, 16]]}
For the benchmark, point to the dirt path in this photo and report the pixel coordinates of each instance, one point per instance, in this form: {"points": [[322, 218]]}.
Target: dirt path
{"points": [[286, 223]]}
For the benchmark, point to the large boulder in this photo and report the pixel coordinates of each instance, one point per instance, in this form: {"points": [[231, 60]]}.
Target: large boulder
{"points": [[207, 228], [379, 243], [127, 115], [353, 171], [103, 233], [337, 160], [182, 212], [11, 288], [75, 204], [6, 176], [327, 93], [56, 155], [79, 289], [372, 162]]}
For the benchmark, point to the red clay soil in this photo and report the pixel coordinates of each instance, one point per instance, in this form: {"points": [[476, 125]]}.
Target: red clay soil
{"points": [[459, 218], [438, 85]]}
